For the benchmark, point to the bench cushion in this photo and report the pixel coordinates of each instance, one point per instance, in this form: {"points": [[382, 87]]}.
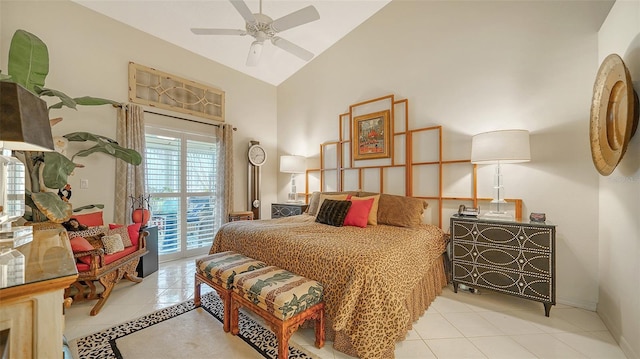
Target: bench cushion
{"points": [[221, 268], [279, 292]]}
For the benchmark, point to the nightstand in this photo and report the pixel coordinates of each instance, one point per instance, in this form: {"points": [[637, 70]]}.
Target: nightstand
{"points": [[512, 257], [279, 210], [240, 216]]}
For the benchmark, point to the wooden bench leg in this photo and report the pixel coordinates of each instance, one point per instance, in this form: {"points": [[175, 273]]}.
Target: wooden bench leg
{"points": [[319, 328], [233, 314], [283, 333], [196, 291]]}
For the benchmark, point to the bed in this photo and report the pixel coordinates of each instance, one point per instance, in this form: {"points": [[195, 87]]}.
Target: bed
{"points": [[377, 280]]}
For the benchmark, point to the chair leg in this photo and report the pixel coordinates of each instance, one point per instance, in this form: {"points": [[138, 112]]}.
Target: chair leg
{"points": [[108, 281], [129, 270]]}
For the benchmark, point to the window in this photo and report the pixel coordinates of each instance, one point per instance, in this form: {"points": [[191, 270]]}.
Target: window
{"points": [[181, 179]]}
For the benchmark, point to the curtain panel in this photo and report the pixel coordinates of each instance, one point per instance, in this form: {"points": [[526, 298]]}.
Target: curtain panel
{"points": [[130, 181]]}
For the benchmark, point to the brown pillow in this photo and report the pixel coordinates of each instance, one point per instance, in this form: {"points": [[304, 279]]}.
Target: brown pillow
{"points": [[400, 211]]}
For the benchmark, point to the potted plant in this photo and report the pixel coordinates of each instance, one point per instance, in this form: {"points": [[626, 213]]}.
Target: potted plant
{"points": [[28, 66]]}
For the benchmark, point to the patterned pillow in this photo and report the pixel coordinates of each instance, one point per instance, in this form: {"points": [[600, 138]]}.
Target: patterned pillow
{"points": [[333, 212], [91, 232], [400, 211], [112, 244], [124, 234]]}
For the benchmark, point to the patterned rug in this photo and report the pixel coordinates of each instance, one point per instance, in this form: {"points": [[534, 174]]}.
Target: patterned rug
{"points": [[104, 344]]}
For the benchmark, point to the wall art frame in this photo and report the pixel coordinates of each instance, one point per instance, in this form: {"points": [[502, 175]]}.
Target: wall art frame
{"points": [[372, 136]]}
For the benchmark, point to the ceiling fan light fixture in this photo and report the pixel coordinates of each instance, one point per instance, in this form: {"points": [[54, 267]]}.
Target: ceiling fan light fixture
{"points": [[254, 53]]}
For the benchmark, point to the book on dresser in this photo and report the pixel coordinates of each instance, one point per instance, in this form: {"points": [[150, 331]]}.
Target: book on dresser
{"points": [[511, 257]]}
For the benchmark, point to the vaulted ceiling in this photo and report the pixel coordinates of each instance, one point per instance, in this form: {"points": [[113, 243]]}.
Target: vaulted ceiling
{"points": [[172, 20]]}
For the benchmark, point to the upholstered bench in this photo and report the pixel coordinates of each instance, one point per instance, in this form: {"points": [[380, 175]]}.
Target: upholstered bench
{"points": [[283, 299], [218, 271]]}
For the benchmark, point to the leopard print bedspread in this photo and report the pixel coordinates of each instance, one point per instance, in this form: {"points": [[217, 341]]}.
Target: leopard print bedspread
{"points": [[367, 273]]}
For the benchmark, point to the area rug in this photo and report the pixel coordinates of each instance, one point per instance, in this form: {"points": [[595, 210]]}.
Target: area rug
{"points": [[183, 331]]}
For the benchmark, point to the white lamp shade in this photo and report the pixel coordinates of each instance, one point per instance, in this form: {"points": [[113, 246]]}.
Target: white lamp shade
{"points": [[505, 146], [293, 164]]}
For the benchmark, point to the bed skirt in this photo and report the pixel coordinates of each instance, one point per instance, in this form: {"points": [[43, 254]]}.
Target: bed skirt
{"points": [[425, 291]]}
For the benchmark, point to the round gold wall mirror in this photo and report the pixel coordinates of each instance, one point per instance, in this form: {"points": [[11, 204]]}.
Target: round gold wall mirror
{"points": [[614, 114]]}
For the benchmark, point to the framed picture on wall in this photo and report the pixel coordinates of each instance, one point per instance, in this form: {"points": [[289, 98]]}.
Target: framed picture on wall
{"points": [[372, 136]]}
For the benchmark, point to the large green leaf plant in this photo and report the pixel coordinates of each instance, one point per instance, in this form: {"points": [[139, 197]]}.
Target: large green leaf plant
{"points": [[28, 66]]}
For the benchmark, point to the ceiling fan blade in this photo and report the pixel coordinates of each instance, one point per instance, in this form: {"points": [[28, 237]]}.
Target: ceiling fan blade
{"points": [[243, 9], [201, 31], [296, 18], [292, 48], [254, 53]]}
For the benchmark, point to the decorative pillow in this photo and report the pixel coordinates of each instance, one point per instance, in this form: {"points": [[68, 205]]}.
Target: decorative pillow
{"points": [[81, 244], [373, 213], [336, 197], [358, 212], [314, 201], [112, 243], [92, 231], [400, 211], [333, 212], [124, 235], [133, 229], [89, 219]]}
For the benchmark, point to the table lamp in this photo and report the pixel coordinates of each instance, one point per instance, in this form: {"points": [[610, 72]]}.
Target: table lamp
{"points": [[499, 147], [24, 126], [293, 165]]}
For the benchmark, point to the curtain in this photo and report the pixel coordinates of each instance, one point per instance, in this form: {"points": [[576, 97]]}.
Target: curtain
{"points": [[224, 138], [129, 178]]}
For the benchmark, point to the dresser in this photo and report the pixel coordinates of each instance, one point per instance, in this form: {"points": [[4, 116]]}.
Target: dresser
{"points": [[279, 210], [512, 257]]}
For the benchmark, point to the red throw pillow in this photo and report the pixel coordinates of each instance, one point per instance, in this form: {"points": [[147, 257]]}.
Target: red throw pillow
{"points": [[133, 229], [80, 244], [89, 219], [358, 213]]}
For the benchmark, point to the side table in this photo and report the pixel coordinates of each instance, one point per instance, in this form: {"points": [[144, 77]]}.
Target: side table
{"points": [[149, 262], [279, 210]]}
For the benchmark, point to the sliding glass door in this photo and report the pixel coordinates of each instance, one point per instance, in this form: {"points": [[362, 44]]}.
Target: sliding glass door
{"points": [[181, 179]]}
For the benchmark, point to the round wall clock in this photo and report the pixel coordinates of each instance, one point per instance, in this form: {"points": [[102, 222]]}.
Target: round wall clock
{"points": [[257, 155]]}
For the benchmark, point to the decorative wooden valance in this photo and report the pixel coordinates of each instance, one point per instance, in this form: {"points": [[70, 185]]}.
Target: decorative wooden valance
{"points": [[414, 166], [148, 86]]}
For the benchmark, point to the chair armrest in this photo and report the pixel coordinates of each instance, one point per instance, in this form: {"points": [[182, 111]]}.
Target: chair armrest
{"points": [[142, 240], [97, 257]]}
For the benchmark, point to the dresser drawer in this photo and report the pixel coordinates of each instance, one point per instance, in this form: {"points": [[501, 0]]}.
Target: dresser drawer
{"points": [[517, 236], [510, 282], [537, 263]]}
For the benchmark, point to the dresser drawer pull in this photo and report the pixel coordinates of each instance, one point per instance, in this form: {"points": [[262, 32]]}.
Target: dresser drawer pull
{"points": [[475, 253], [475, 232], [521, 284], [475, 274], [521, 237], [521, 260]]}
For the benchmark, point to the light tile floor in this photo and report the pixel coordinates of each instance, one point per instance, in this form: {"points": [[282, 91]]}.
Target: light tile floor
{"points": [[462, 325]]}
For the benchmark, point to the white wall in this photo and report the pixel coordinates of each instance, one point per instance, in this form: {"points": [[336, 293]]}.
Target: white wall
{"points": [[619, 304], [472, 67], [89, 54]]}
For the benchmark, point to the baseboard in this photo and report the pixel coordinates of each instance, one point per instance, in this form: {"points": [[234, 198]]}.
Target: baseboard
{"points": [[578, 303], [617, 336]]}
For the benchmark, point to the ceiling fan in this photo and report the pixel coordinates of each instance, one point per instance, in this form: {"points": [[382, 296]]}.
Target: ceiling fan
{"points": [[262, 28]]}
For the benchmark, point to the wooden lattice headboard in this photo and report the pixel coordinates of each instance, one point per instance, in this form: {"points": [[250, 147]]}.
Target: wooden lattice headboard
{"points": [[415, 155]]}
